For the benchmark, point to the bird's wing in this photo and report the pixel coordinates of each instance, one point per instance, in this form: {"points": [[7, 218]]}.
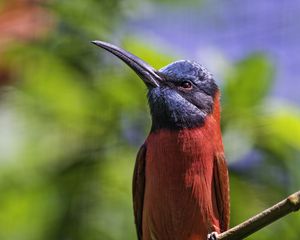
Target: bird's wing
{"points": [[221, 190], [138, 187]]}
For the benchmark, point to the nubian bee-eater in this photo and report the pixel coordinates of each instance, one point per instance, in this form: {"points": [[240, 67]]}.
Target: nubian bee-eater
{"points": [[180, 181]]}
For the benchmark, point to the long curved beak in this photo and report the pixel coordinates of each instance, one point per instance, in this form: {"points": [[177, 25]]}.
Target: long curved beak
{"points": [[147, 73]]}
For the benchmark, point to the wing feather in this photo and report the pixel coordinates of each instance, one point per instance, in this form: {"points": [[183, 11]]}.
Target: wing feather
{"points": [[221, 190], [138, 189]]}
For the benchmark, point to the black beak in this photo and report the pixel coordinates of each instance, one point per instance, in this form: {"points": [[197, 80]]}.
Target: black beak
{"points": [[147, 73]]}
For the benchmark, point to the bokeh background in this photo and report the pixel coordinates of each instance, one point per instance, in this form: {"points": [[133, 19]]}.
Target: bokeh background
{"points": [[72, 116]]}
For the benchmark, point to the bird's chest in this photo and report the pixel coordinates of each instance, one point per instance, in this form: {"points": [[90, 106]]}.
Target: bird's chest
{"points": [[173, 156], [178, 171]]}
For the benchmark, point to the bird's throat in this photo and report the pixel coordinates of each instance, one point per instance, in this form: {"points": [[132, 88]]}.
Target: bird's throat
{"points": [[171, 111]]}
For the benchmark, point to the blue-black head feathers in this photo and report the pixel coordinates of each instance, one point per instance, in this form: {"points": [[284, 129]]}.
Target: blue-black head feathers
{"points": [[184, 98]]}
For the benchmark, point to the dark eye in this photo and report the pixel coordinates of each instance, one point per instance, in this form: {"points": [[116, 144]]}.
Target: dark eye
{"points": [[186, 85]]}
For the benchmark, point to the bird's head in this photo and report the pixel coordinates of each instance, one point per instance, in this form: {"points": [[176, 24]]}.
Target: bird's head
{"points": [[180, 95]]}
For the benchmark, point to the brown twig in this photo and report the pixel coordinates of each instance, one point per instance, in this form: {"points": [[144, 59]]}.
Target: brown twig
{"points": [[252, 225]]}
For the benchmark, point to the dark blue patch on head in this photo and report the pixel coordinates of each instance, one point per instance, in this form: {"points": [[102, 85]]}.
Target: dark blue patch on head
{"points": [[184, 69]]}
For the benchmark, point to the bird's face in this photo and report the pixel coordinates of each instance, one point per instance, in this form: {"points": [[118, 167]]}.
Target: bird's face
{"points": [[180, 95], [184, 97]]}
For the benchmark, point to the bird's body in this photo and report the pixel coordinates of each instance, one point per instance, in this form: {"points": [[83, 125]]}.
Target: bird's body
{"points": [[183, 196], [180, 182], [180, 196]]}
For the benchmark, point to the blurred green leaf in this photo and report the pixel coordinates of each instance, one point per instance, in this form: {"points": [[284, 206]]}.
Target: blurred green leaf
{"points": [[284, 125], [248, 84], [156, 57]]}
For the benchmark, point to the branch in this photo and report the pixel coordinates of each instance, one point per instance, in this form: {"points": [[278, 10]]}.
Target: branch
{"points": [[252, 225]]}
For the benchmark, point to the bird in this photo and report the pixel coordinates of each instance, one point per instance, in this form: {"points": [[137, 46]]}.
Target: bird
{"points": [[180, 184]]}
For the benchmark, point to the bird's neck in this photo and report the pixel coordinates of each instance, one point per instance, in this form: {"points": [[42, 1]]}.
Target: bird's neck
{"points": [[188, 140], [209, 131]]}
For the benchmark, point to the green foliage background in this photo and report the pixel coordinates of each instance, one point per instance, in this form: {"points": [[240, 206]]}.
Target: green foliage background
{"points": [[73, 118]]}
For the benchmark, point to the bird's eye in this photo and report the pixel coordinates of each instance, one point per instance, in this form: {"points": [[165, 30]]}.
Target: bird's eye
{"points": [[186, 85]]}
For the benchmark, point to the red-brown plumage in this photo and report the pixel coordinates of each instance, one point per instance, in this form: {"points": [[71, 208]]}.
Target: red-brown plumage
{"points": [[181, 188]]}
